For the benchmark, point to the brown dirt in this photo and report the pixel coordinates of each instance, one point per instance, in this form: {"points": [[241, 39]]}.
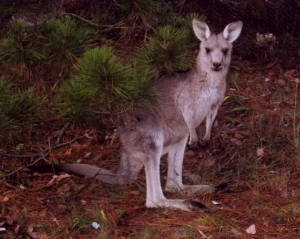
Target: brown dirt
{"points": [[254, 150]]}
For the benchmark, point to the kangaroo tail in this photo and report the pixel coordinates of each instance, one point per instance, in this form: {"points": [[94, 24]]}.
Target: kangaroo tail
{"points": [[83, 170]]}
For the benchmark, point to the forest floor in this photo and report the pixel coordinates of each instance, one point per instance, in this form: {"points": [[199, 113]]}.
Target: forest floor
{"points": [[255, 149]]}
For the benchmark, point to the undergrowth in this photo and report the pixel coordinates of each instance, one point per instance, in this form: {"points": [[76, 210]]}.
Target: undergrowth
{"points": [[61, 71]]}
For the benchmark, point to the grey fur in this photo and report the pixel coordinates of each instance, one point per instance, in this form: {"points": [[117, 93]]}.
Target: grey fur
{"points": [[184, 102]]}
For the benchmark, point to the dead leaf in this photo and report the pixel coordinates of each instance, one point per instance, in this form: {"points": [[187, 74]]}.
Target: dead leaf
{"points": [[203, 227], [79, 146], [63, 189], [87, 154], [136, 193], [68, 151], [189, 153], [80, 187], [291, 75], [209, 162], [216, 123], [98, 156], [238, 135], [88, 136], [43, 212], [9, 220], [281, 82], [41, 175], [260, 152], [56, 178], [236, 141], [17, 228], [33, 234], [44, 236], [236, 232], [62, 207], [4, 199], [271, 72], [272, 64]]}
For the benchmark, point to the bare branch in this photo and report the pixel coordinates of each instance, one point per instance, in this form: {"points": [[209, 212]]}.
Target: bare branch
{"points": [[48, 149], [42, 155]]}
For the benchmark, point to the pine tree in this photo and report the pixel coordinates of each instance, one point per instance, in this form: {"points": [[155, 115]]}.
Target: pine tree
{"points": [[103, 86], [19, 109], [142, 15], [168, 52], [20, 45], [64, 41]]}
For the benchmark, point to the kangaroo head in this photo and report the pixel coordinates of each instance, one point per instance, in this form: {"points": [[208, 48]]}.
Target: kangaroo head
{"points": [[215, 49]]}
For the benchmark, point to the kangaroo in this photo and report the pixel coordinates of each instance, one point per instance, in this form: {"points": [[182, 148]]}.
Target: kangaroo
{"points": [[184, 102]]}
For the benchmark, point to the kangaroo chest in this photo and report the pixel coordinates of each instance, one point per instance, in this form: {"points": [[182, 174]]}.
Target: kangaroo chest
{"points": [[205, 102], [208, 98]]}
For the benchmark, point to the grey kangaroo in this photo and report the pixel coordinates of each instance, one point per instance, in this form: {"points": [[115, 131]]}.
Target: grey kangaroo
{"points": [[184, 102]]}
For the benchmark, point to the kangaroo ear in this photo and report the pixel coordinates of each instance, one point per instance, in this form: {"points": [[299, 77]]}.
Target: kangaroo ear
{"points": [[201, 30], [232, 31]]}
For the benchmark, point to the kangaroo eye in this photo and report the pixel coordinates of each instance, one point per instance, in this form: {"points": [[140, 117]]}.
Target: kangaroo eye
{"points": [[225, 51], [207, 50]]}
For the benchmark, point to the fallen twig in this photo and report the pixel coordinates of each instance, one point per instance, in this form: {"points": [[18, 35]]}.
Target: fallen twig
{"points": [[203, 235], [46, 150], [44, 153], [117, 25]]}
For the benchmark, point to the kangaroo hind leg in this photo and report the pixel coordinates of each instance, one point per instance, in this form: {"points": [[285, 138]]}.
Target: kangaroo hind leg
{"points": [[175, 165], [155, 197]]}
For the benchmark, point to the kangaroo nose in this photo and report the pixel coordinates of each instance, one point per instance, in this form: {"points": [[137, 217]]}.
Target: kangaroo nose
{"points": [[217, 66]]}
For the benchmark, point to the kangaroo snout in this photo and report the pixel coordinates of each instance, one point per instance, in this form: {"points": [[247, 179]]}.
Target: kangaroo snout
{"points": [[217, 66]]}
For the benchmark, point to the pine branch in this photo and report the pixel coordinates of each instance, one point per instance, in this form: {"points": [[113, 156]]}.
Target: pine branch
{"points": [[117, 25], [41, 19]]}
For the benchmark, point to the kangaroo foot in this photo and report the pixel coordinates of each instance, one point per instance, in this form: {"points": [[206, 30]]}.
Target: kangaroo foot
{"points": [[195, 145], [195, 206], [222, 188]]}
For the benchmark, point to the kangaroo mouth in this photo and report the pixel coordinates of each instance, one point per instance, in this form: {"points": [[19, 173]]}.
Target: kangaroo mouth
{"points": [[217, 68]]}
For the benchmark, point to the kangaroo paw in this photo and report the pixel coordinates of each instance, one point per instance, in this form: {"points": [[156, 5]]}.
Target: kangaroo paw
{"points": [[194, 145], [204, 142]]}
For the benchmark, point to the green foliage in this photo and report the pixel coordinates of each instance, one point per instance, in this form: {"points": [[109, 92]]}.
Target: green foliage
{"points": [[43, 56], [168, 52], [56, 43], [65, 41], [19, 46], [186, 23], [102, 85], [143, 14], [18, 110]]}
